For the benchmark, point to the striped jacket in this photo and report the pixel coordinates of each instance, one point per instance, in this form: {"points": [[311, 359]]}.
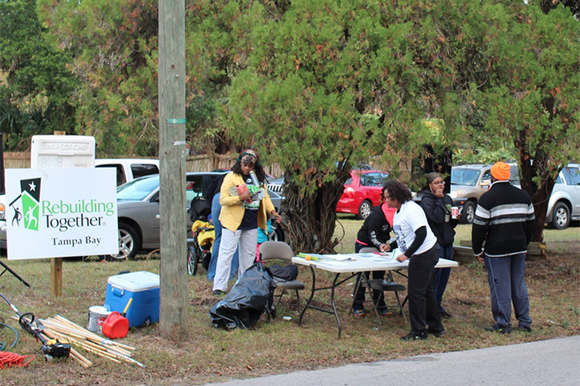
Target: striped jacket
{"points": [[504, 220]]}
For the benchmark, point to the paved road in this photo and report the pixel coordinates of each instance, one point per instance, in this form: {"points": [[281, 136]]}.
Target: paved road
{"points": [[549, 362]]}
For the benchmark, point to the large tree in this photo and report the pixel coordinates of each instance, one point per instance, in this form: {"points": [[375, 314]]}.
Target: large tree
{"points": [[38, 92], [115, 47], [115, 55], [329, 84], [326, 85], [320, 86], [539, 107], [527, 97]]}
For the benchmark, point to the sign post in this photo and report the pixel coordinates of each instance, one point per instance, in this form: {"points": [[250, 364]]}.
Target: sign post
{"points": [[56, 263]]}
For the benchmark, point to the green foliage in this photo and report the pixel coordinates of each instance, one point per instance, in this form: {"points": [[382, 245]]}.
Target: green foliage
{"points": [[309, 84], [531, 99], [314, 75], [37, 95], [303, 80], [115, 48]]}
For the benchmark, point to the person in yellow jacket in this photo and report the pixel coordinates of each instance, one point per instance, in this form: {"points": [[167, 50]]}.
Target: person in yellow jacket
{"points": [[245, 207]]}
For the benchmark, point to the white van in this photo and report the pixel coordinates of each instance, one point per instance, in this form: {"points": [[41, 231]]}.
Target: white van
{"points": [[129, 168], [564, 204]]}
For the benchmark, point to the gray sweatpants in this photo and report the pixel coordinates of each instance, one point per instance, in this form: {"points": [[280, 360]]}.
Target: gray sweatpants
{"points": [[506, 285]]}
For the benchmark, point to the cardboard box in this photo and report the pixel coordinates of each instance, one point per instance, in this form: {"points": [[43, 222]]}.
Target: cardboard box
{"points": [[143, 288]]}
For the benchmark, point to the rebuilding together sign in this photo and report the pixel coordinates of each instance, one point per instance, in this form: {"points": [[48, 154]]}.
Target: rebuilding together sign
{"points": [[61, 212]]}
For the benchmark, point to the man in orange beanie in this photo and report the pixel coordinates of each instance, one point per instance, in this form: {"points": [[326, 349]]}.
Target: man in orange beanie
{"points": [[500, 171], [504, 220]]}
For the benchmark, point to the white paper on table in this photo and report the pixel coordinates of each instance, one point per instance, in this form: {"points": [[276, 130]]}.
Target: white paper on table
{"points": [[333, 262], [341, 257], [379, 257]]}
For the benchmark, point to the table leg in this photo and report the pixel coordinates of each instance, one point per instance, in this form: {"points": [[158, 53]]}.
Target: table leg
{"points": [[307, 305], [334, 303], [332, 288]]}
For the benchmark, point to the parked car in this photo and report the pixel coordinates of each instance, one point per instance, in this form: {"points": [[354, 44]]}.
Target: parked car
{"points": [[129, 168], [564, 204], [362, 191], [138, 210], [277, 185], [469, 182]]}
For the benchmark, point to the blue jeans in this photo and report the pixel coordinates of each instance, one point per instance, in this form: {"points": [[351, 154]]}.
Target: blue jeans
{"points": [[215, 214], [507, 286], [442, 274]]}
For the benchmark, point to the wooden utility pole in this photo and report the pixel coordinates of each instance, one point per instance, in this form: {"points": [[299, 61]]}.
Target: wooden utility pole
{"points": [[173, 315]]}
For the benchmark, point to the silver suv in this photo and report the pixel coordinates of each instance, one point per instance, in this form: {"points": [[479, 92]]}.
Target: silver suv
{"points": [[564, 204], [469, 182]]}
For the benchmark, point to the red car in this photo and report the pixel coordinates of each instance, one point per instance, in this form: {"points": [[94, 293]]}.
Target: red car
{"points": [[362, 191]]}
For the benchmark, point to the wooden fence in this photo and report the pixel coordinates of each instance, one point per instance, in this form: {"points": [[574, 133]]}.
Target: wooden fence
{"points": [[198, 163], [201, 163]]}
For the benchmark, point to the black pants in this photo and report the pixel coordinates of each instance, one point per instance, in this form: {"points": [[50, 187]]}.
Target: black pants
{"points": [[423, 307]]}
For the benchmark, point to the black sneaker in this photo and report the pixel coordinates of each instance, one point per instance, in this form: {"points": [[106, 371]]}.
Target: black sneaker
{"points": [[219, 293], [446, 315], [525, 328], [507, 329], [437, 334], [415, 336]]}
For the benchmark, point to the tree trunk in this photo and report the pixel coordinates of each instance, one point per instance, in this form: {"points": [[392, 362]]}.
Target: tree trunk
{"points": [[311, 220], [539, 195]]}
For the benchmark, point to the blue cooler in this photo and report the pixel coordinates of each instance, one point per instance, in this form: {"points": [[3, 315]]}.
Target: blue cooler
{"points": [[143, 288]]}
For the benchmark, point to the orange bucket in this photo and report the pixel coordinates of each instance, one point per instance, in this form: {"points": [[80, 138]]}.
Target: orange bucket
{"points": [[115, 326]]}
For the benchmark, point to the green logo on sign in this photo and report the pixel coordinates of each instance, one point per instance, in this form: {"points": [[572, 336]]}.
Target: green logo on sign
{"points": [[29, 199]]}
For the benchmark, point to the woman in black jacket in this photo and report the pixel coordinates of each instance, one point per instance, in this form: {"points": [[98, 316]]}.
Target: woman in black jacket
{"points": [[437, 207]]}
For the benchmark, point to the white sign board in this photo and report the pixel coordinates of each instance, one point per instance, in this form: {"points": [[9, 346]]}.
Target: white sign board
{"points": [[61, 212], [62, 151]]}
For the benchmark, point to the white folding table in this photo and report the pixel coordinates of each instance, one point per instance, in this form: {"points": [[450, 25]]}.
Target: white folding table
{"points": [[351, 264]]}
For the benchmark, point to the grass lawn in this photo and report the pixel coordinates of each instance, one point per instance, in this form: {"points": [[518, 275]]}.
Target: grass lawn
{"points": [[280, 346]]}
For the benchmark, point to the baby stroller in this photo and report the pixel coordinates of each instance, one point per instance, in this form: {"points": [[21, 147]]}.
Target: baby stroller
{"points": [[200, 245]]}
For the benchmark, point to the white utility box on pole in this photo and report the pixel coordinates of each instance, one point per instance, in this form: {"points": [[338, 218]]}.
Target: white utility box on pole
{"points": [[62, 151]]}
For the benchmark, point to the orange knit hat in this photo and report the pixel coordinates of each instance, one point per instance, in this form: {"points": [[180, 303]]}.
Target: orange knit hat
{"points": [[500, 171]]}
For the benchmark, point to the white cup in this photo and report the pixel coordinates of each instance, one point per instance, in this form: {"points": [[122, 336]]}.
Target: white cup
{"points": [[454, 212]]}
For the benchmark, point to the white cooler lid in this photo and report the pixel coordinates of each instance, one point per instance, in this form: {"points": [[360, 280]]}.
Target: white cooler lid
{"points": [[135, 281]]}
